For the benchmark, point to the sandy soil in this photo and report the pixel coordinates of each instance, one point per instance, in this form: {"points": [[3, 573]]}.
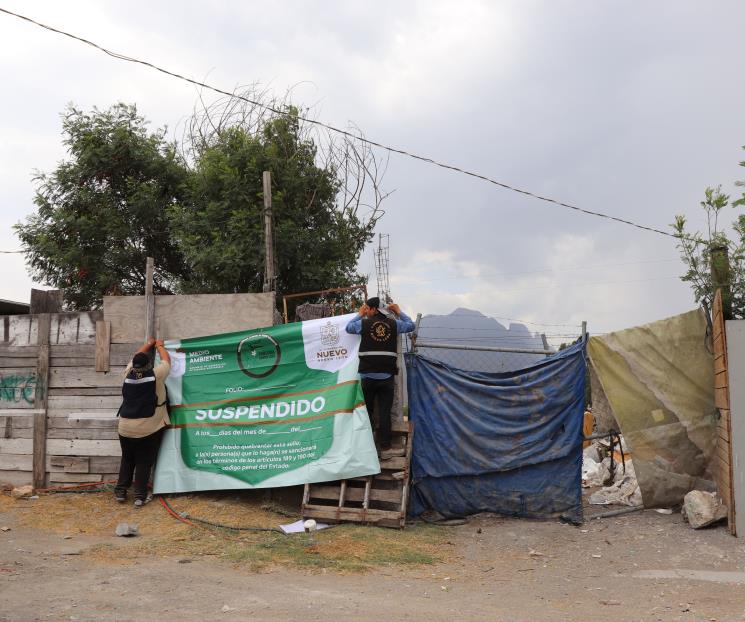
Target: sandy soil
{"points": [[643, 566]]}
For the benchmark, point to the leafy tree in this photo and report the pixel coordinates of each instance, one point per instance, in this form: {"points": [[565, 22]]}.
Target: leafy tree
{"points": [[125, 194], [700, 251], [221, 229], [103, 211]]}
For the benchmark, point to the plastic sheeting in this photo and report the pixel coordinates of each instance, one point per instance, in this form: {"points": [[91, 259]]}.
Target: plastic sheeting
{"points": [[659, 381], [509, 443]]}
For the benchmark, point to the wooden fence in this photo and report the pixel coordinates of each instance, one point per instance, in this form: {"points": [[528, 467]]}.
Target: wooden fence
{"points": [[722, 465], [57, 414], [61, 377]]}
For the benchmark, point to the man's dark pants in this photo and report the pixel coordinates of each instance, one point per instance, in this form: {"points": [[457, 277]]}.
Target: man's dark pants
{"points": [[138, 458], [380, 391]]}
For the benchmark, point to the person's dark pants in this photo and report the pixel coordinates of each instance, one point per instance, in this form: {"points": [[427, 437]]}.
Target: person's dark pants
{"points": [[138, 458], [380, 391]]}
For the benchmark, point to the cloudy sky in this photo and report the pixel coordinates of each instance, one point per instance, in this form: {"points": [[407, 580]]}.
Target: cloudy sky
{"points": [[628, 108]]}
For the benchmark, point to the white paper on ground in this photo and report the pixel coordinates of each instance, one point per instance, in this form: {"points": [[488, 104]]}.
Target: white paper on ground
{"points": [[298, 527]]}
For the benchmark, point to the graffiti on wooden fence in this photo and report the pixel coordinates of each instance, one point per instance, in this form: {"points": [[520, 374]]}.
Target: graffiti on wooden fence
{"points": [[17, 389]]}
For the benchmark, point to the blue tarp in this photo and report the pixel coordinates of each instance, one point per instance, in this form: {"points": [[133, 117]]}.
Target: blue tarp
{"points": [[507, 442]]}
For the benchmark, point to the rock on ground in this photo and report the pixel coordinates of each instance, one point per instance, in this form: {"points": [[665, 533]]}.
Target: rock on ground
{"points": [[701, 509]]}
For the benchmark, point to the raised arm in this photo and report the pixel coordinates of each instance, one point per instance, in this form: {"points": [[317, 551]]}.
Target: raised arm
{"points": [[162, 352], [354, 326], [146, 346], [404, 323]]}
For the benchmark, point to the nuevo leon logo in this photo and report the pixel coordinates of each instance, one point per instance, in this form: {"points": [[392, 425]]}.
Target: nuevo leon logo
{"points": [[329, 334], [329, 338]]}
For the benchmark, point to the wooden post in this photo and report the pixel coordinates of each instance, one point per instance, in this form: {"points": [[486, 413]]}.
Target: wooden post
{"points": [[41, 399], [415, 333], [545, 342], [720, 277], [149, 299], [584, 330], [103, 345], [268, 233]]}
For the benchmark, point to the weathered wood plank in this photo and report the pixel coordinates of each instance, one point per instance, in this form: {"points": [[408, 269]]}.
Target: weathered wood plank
{"points": [[122, 351], [721, 398], [103, 434], [22, 330], [149, 299], [72, 403], [40, 401], [103, 345], [722, 452], [11, 425], [85, 377], [71, 328], [179, 317], [720, 380], [69, 464], [104, 464], [17, 362], [99, 420], [77, 391], [18, 412], [349, 514], [15, 478], [30, 352], [16, 462], [354, 494], [45, 301], [396, 463], [63, 447], [57, 478], [718, 343]]}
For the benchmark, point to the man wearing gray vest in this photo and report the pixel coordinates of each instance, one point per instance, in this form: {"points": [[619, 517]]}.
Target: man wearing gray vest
{"points": [[379, 359]]}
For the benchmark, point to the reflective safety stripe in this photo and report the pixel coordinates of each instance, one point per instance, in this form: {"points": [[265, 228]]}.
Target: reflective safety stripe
{"points": [[378, 354], [139, 380]]}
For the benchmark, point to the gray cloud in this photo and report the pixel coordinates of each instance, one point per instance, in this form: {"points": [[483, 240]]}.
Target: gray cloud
{"points": [[626, 108]]}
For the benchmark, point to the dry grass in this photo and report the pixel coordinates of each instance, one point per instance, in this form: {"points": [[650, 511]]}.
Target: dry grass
{"points": [[344, 548]]}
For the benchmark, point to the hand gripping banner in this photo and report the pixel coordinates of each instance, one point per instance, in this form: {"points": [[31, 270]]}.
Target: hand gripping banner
{"points": [[271, 407]]}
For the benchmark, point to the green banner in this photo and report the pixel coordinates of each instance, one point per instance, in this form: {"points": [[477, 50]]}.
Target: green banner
{"points": [[271, 407]]}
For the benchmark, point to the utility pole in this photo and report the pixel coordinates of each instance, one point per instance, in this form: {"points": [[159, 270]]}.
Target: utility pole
{"points": [[149, 299], [269, 278]]}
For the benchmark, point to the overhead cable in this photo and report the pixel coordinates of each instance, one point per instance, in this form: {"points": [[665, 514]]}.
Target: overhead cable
{"points": [[346, 133]]}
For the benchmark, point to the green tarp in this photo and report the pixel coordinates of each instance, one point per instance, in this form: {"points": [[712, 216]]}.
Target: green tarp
{"points": [[659, 381]]}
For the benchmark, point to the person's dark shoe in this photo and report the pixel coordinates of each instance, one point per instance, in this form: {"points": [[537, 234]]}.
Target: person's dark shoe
{"points": [[140, 502], [120, 497]]}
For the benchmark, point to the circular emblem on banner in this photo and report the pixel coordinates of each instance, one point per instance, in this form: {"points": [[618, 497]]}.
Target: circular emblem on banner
{"points": [[380, 331], [258, 355]]}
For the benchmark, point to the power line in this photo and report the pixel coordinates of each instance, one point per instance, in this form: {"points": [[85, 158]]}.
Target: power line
{"points": [[10, 252], [579, 283], [346, 133], [544, 271]]}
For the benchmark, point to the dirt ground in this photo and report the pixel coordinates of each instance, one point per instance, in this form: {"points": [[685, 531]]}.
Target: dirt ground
{"points": [[59, 560]]}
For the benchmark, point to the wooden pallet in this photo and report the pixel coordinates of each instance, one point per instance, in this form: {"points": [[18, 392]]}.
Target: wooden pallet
{"points": [[380, 499]]}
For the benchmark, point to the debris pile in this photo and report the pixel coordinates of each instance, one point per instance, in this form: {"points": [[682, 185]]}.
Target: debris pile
{"points": [[604, 465]]}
